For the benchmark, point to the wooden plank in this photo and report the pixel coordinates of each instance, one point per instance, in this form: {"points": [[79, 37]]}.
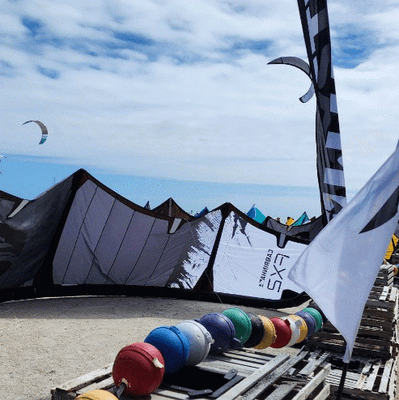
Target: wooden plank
{"points": [[155, 396], [84, 380], [316, 381], [313, 364], [393, 384], [237, 360], [371, 379], [60, 394], [281, 391], [364, 374], [324, 393], [384, 293], [393, 294], [248, 353], [224, 366], [266, 381], [105, 384], [334, 379], [253, 378], [385, 376], [161, 393]]}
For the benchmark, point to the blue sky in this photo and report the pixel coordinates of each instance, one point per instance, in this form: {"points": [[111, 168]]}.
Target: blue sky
{"points": [[174, 98]]}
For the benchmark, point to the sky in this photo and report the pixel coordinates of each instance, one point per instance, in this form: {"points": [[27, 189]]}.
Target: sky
{"points": [[175, 98]]}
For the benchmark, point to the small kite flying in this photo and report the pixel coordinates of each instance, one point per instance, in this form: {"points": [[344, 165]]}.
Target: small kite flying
{"points": [[303, 66], [42, 127]]}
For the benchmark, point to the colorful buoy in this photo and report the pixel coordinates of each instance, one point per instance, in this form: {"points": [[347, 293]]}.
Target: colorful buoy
{"points": [[199, 338], [303, 328], [310, 322], [222, 331], [316, 315], [257, 331], [241, 322], [295, 329], [140, 366], [316, 307], [269, 336], [283, 332], [98, 394], [173, 345]]}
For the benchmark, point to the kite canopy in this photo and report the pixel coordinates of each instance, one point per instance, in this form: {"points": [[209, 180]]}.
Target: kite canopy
{"points": [[80, 236], [303, 66], [42, 127]]}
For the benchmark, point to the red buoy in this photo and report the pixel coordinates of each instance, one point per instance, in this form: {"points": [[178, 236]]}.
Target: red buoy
{"points": [[283, 332], [141, 367]]}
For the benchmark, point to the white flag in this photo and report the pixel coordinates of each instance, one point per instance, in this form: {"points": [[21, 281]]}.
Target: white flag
{"points": [[339, 267]]}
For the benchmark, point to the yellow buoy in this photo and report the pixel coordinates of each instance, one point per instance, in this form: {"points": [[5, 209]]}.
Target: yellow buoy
{"points": [[269, 336], [97, 395]]}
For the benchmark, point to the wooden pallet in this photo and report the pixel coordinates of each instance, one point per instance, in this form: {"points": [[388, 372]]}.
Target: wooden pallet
{"points": [[257, 375], [385, 276], [373, 379], [376, 336]]}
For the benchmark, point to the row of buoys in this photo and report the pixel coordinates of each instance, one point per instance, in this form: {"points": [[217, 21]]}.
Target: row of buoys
{"points": [[139, 368]]}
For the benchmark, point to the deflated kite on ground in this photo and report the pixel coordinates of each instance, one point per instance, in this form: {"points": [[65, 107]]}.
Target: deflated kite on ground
{"points": [[81, 235]]}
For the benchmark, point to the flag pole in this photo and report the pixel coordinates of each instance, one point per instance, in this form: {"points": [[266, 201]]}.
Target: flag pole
{"points": [[342, 382]]}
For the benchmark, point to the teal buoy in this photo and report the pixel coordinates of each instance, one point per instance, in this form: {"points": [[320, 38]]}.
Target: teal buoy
{"points": [[316, 315]]}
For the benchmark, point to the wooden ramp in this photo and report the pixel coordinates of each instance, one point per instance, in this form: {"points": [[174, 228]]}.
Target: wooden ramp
{"points": [[245, 374]]}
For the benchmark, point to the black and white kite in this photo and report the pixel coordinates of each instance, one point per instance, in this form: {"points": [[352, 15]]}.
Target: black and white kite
{"points": [[303, 66], [330, 170]]}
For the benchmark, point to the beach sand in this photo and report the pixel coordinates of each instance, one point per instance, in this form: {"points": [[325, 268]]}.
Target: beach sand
{"points": [[46, 342]]}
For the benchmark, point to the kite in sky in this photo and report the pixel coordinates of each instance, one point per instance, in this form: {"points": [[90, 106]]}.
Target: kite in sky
{"points": [[42, 127], [303, 66]]}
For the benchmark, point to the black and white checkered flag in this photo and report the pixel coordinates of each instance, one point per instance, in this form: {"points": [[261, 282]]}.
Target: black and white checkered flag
{"points": [[330, 171]]}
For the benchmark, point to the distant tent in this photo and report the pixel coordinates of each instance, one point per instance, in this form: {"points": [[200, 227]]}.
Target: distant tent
{"points": [[81, 237], [201, 213], [289, 221], [301, 220], [306, 231], [393, 244], [256, 214], [170, 208]]}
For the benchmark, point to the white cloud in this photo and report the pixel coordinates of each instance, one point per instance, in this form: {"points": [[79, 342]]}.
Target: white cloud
{"points": [[191, 96]]}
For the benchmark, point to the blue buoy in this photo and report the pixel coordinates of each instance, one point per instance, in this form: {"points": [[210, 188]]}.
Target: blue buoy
{"points": [[222, 330], [172, 344]]}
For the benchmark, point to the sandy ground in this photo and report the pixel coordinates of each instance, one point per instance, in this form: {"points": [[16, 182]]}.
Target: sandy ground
{"points": [[46, 342]]}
